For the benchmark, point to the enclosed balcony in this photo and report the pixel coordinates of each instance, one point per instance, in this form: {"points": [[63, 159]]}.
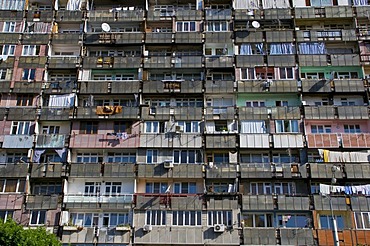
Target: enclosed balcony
{"points": [[104, 141], [18, 141], [250, 140], [158, 62], [219, 86], [124, 15], [221, 141], [49, 202], [220, 113], [121, 201], [27, 87], [170, 140], [164, 113], [173, 86], [178, 171], [64, 62], [55, 141], [111, 112], [112, 62], [48, 170]]}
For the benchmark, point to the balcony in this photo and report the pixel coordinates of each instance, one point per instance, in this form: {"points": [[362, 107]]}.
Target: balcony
{"points": [[334, 140], [328, 140], [245, 14], [115, 16], [104, 141], [297, 236], [173, 86], [281, 60], [189, 14], [253, 113], [48, 170], [111, 62], [6, 15], [114, 38], [250, 140], [219, 86], [10, 38], [362, 11], [35, 38], [27, 87], [225, 203], [218, 37], [158, 15], [170, 140], [119, 170], [86, 235], [277, 14], [248, 37], [316, 86], [293, 203], [64, 62], [112, 112], [279, 36], [188, 38], [220, 113], [122, 201], [312, 60], [255, 170], [12, 170], [221, 141], [327, 35], [64, 16], [285, 113], [49, 202], [357, 171], [191, 171], [360, 203], [222, 171], [249, 60], [259, 236], [57, 114], [91, 170], [322, 112], [257, 202], [22, 113], [353, 112], [344, 60], [346, 237], [60, 87], [158, 62], [324, 171], [18, 142], [355, 140], [11, 201], [98, 87], [32, 61], [323, 203], [8, 63], [66, 38], [187, 62], [218, 14], [152, 201], [125, 86], [164, 113], [219, 61], [247, 86], [324, 12], [54, 141], [43, 16], [158, 37]]}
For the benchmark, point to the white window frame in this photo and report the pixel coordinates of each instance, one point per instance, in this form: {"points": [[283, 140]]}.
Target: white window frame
{"points": [[353, 128], [156, 187], [50, 129], [31, 74], [321, 129], [156, 217], [266, 220], [290, 130], [186, 26], [217, 26], [29, 50], [224, 217], [360, 220], [21, 127], [284, 71], [180, 187], [194, 126], [8, 50], [280, 186], [8, 214], [255, 103], [88, 157], [264, 157], [119, 157], [152, 127], [187, 154], [266, 187], [9, 26], [112, 188], [75, 217], [92, 188], [185, 218], [39, 214], [16, 188], [3, 74], [152, 156]]}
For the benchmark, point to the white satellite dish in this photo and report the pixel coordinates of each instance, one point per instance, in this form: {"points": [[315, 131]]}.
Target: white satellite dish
{"points": [[256, 24], [105, 27]]}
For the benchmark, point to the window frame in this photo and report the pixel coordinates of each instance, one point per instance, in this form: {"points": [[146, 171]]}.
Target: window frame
{"points": [[152, 156], [9, 26], [224, 217], [40, 214], [21, 128], [8, 49], [156, 217], [189, 218]]}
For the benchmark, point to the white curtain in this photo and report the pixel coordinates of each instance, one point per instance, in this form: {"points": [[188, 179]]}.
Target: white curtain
{"points": [[312, 48], [246, 49], [275, 4], [210, 127], [12, 4], [246, 4], [254, 126], [62, 100], [360, 2], [281, 49]]}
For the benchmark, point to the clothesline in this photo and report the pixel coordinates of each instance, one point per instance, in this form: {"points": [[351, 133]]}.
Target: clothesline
{"points": [[347, 189]]}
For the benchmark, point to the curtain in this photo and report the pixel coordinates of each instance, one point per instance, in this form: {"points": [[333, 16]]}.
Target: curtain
{"points": [[320, 3], [246, 4], [62, 153], [210, 127], [62, 100], [257, 126], [281, 49], [275, 4], [74, 5], [37, 155], [312, 48], [12, 4], [360, 2], [246, 49], [38, 27], [260, 48]]}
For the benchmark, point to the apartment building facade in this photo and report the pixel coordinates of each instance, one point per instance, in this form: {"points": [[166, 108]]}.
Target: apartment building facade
{"points": [[191, 122]]}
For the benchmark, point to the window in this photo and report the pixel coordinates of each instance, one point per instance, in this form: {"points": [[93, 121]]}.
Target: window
{"points": [[38, 217], [254, 126], [115, 219], [254, 104], [151, 156], [362, 220], [122, 157], [22, 127], [326, 222], [286, 73], [189, 126], [189, 102], [312, 76], [258, 220], [47, 188], [220, 217], [321, 3], [323, 102], [6, 214], [28, 74], [89, 127], [294, 220], [50, 129], [185, 188], [185, 26], [220, 125], [8, 50], [286, 188], [254, 158], [155, 217], [187, 156], [9, 26], [113, 188], [12, 185], [2, 74], [321, 129], [30, 50], [121, 126], [152, 127], [284, 158], [92, 188], [260, 188], [85, 219], [346, 102], [16, 157], [217, 187], [247, 73], [286, 126], [187, 218], [217, 26], [281, 103], [221, 158], [55, 158], [156, 187], [352, 129], [24, 100], [89, 158]]}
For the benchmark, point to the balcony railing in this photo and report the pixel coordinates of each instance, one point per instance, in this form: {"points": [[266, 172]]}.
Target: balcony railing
{"points": [[221, 141], [27, 87], [220, 113], [170, 140], [64, 62], [115, 16], [218, 14], [11, 201], [113, 112], [104, 141], [164, 113], [220, 86], [81, 199], [173, 86], [13, 170], [219, 61], [18, 141], [334, 140], [222, 171], [178, 171], [50, 113], [43, 201], [48, 170]]}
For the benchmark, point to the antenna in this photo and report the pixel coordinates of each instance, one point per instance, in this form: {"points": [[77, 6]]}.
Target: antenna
{"points": [[256, 24], [105, 27]]}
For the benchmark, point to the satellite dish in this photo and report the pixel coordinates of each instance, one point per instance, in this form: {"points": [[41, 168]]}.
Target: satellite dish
{"points": [[105, 27], [256, 24]]}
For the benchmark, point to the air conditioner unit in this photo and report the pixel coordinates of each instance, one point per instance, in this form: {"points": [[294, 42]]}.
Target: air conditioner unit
{"points": [[179, 129], [147, 228], [219, 228], [168, 164]]}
